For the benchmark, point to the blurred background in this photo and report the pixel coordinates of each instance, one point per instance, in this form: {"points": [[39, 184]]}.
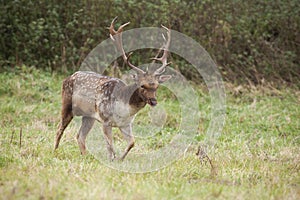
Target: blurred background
{"points": [[251, 41]]}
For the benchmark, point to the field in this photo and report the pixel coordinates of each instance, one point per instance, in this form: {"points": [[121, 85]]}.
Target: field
{"points": [[257, 155]]}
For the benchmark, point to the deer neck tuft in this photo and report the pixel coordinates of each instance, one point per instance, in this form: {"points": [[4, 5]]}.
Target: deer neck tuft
{"points": [[130, 94], [136, 100]]}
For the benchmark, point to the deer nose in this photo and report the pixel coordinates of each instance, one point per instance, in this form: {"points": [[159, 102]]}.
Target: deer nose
{"points": [[152, 102]]}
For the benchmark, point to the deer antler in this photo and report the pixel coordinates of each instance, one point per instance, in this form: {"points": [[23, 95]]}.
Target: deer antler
{"points": [[116, 36], [163, 58]]}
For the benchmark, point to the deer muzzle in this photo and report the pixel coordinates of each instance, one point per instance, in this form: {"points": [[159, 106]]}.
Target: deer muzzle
{"points": [[152, 101]]}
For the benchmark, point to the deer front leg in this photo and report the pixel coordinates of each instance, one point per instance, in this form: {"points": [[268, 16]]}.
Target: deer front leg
{"points": [[127, 133], [107, 129]]}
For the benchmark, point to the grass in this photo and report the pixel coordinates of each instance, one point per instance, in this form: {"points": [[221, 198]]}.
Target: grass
{"points": [[256, 157]]}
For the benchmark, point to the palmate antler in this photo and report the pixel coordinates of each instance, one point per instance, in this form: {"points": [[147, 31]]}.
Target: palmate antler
{"points": [[164, 57], [116, 36]]}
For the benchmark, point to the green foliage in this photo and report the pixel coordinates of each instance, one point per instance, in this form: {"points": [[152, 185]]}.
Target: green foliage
{"points": [[250, 40]]}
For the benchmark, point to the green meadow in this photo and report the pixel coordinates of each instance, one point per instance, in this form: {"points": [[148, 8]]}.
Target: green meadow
{"points": [[256, 156]]}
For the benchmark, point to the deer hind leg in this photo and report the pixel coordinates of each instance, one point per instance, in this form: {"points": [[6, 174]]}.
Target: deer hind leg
{"points": [[107, 129], [86, 125], [127, 133], [66, 111], [66, 117]]}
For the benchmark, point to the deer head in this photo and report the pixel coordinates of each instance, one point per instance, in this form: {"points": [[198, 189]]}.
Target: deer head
{"points": [[147, 82]]}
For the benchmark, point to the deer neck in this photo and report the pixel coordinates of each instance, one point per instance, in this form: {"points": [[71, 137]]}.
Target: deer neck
{"points": [[130, 94], [136, 100]]}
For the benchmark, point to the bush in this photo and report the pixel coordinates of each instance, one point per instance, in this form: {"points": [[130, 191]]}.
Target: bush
{"points": [[250, 40]]}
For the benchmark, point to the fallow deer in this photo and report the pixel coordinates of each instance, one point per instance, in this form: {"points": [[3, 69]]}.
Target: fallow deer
{"points": [[109, 100]]}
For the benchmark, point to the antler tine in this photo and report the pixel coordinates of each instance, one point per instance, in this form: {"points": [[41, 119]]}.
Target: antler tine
{"points": [[164, 57], [116, 36], [120, 29], [112, 30]]}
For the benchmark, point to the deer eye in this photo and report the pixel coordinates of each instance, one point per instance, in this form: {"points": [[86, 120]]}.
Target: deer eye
{"points": [[143, 87]]}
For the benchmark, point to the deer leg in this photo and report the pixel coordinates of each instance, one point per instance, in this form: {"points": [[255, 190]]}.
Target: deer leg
{"points": [[107, 129], [66, 117], [127, 133], [86, 125]]}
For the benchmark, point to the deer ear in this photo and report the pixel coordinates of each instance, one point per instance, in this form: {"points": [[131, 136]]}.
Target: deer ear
{"points": [[164, 78]]}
